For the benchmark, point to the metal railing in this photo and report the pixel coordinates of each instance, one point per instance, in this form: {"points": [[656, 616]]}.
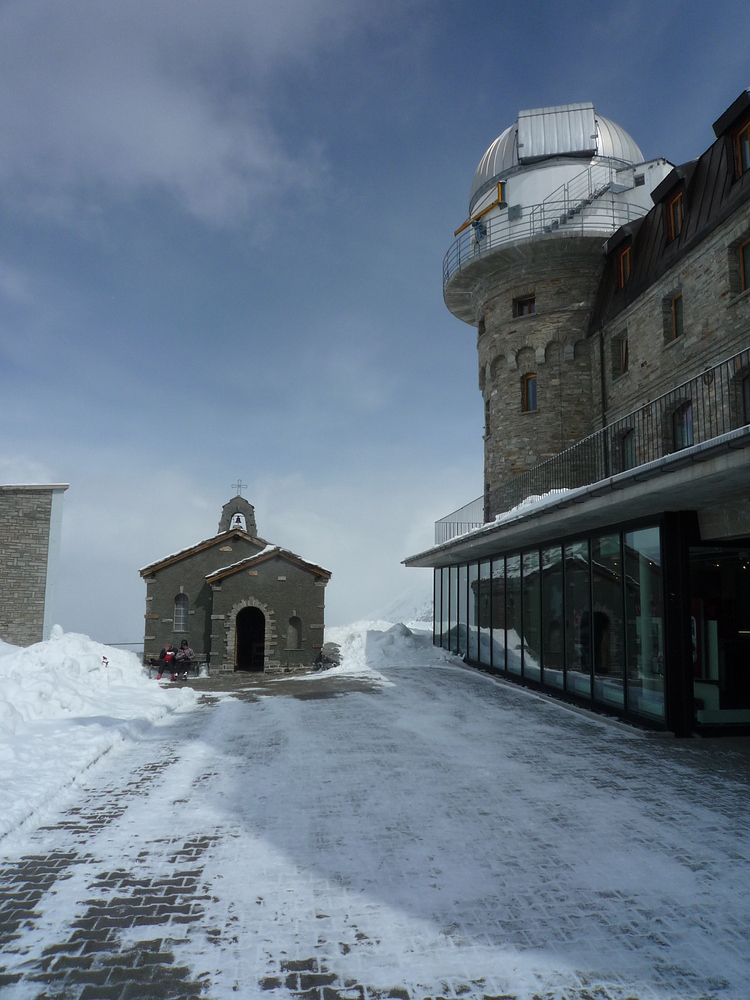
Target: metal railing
{"points": [[466, 518], [703, 408], [596, 214]]}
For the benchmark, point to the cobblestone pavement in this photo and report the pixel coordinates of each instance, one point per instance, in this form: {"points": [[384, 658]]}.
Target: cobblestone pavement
{"points": [[448, 836]]}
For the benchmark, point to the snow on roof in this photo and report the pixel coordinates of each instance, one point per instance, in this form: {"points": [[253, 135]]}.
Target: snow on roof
{"points": [[206, 541], [263, 554]]}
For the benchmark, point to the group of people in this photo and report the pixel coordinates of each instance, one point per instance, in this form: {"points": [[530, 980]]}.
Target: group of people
{"points": [[175, 661]]}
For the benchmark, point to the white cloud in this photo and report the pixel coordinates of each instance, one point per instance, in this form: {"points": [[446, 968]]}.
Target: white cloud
{"points": [[100, 99]]}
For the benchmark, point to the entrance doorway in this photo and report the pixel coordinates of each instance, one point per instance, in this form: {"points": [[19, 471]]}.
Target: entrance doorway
{"points": [[250, 633]]}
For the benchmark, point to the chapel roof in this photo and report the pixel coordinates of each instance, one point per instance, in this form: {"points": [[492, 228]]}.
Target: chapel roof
{"points": [[269, 552], [223, 536]]}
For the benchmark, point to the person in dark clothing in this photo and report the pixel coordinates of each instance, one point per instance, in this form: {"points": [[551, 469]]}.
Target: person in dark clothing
{"points": [[167, 661], [184, 658]]}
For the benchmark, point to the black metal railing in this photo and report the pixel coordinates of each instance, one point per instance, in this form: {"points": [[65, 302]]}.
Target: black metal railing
{"points": [[466, 518], [703, 408]]}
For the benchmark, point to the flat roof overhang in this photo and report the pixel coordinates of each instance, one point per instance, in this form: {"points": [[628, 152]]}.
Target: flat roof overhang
{"points": [[705, 477]]}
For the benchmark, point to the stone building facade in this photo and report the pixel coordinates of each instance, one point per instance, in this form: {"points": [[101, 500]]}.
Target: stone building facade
{"points": [[30, 526], [240, 602], [613, 566]]}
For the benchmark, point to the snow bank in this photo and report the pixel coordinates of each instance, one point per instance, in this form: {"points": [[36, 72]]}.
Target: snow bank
{"points": [[63, 703]]}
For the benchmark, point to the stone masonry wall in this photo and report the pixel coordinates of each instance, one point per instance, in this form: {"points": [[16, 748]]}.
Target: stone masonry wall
{"points": [[281, 590], [716, 320], [24, 542], [562, 273], [188, 576]]}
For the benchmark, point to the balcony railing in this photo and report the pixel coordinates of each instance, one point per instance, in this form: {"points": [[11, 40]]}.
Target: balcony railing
{"points": [[466, 518], [596, 214], [711, 404]]}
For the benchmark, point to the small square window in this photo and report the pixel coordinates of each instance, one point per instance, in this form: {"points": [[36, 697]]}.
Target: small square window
{"points": [[674, 216], [742, 150], [639, 180], [745, 266], [529, 393], [677, 326], [525, 306], [623, 267]]}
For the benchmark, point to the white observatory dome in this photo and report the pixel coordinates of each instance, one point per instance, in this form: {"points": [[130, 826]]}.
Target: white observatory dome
{"points": [[568, 130]]}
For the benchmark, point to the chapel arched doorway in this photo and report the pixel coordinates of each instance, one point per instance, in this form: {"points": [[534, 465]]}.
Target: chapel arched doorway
{"points": [[250, 638]]}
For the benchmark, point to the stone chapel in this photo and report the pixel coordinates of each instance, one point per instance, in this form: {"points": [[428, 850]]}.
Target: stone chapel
{"points": [[241, 602]]}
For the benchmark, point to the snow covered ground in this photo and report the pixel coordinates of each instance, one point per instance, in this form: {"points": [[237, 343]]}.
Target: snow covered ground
{"points": [[429, 832], [64, 703]]}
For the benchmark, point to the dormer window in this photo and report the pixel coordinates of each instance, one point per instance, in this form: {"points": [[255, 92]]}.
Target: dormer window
{"points": [[742, 150], [674, 216], [623, 267]]}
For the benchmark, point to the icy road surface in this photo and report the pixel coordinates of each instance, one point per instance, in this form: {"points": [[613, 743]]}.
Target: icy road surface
{"points": [[402, 827]]}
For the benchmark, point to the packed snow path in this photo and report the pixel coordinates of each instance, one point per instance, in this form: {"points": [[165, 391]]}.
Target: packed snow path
{"points": [[442, 835]]}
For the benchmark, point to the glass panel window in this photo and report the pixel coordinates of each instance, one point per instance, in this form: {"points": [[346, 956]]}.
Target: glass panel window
{"points": [[498, 614], [532, 643], [484, 613], [513, 625], [453, 611], [473, 619], [677, 325], [623, 267], [745, 265], [462, 632], [644, 606], [529, 392], [437, 622], [578, 619], [444, 627], [674, 216], [608, 637], [552, 617], [682, 426], [180, 614]]}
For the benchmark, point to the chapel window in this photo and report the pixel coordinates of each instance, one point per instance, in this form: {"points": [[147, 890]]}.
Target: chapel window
{"points": [[525, 306], [293, 633], [674, 216], [529, 393], [742, 149], [623, 267], [180, 615]]}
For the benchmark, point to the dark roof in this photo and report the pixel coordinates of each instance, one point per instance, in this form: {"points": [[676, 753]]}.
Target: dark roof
{"points": [[710, 196], [270, 552], [223, 536]]}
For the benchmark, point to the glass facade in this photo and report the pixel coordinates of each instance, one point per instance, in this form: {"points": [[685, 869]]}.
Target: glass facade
{"points": [[609, 647], [553, 654], [498, 614], [484, 613], [587, 617], [532, 640], [513, 623], [462, 646], [644, 617]]}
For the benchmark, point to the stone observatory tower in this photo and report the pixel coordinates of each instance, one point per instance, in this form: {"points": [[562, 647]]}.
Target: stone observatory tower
{"points": [[524, 269]]}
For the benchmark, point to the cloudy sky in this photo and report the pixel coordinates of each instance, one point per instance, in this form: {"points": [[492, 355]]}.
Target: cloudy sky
{"points": [[221, 233]]}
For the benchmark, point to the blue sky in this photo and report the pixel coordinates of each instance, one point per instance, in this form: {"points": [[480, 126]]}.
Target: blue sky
{"points": [[221, 234]]}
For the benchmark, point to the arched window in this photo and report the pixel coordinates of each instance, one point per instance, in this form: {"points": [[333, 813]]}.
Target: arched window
{"points": [[294, 633], [180, 616]]}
